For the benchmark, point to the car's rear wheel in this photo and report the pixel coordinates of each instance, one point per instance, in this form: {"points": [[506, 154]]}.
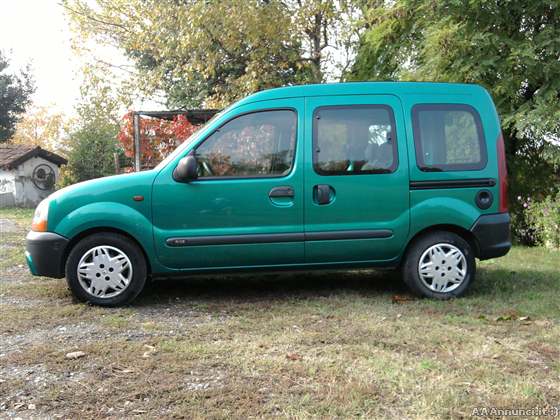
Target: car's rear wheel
{"points": [[439, 265], [106, 269]]}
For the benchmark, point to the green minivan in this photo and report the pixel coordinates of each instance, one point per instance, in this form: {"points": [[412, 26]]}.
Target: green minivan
{"points": [[391, 175]]}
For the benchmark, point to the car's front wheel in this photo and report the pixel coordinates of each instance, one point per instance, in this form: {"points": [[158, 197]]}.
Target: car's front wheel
{"points": [[106, 269], [439, 265]]}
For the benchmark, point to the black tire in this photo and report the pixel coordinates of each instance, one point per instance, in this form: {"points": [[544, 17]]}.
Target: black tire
{"points": [[411, 275], [125, 245]]}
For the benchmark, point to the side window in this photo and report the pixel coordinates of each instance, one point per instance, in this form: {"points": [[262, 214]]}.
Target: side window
{"points": [[448, 137], [251, 145], [353, 140]]}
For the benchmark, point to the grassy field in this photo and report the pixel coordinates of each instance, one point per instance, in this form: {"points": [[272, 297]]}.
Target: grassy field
{"points": [[344, 344]]}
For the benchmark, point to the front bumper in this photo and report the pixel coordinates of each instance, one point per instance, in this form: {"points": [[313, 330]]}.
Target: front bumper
{"points": [[492, 233], [44, 252]]}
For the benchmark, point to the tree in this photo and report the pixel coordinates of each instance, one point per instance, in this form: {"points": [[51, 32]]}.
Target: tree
{"points": [[91, 142], [15, 96], [215, 52], [158, 137], [509, 47], [92, 152], [40, 127]]}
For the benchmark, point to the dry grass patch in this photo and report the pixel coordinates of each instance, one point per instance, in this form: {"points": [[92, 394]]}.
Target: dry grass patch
{"points": [[291, 345]]}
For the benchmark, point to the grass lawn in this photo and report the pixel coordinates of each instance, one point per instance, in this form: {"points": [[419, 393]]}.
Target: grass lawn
{"points": [[342, 344]]}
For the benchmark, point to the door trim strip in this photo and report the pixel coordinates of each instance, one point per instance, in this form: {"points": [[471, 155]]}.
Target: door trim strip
{"points": [[235, 239], [348, 234], [452, 183], [278, 237]]}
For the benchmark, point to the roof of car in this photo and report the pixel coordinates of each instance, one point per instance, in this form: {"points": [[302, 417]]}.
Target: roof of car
{"points": [[361, 88]]}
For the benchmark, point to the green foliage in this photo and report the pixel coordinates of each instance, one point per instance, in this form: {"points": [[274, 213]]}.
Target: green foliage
{"points": [[544, 218], [92, 153], [508, 46], [15, 96], [92, 140], [215, 52]]}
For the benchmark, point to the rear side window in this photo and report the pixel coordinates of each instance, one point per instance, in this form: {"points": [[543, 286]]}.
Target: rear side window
{"points": [[354, 140], [448, 137]]}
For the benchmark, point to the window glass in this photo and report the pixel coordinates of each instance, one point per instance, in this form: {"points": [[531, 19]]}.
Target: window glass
{"points": [[448, 137], [252, 145], [356, 139]]}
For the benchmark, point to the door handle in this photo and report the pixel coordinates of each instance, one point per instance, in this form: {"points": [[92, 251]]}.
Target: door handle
{"points": [[284, 191], [323, 194]]}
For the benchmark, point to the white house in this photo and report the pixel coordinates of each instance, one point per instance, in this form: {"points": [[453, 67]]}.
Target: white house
{"points": [[27, 174]]}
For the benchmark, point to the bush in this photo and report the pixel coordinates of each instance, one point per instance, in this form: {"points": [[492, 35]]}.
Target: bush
{"points": [[91, 153], [544, 219], [522, 231]]}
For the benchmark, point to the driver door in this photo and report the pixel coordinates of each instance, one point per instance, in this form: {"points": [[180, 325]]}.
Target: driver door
{"points": [[246, 207]]}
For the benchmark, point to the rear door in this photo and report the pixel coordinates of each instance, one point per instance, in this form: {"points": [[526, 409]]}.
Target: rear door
{"points": [[356, 184]]}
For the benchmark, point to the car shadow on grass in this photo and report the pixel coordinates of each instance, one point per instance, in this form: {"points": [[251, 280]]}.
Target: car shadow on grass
{"points": [[243, 288], [495, 289]]}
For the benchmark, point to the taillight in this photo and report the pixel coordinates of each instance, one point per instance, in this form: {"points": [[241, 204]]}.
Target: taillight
{"points": [[502, 173]]}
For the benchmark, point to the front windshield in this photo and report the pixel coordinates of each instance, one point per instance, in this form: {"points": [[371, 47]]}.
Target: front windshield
{"points": [[186, 143]]}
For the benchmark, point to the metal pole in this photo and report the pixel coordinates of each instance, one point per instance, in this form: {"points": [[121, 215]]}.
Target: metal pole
{"points": [[137, 142], [117, 163]]}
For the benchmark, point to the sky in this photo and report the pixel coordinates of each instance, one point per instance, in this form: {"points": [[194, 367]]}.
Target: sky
{"points": [[36, 32]]}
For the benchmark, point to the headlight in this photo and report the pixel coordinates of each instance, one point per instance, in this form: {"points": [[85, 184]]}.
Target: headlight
{"points": [[40, 217]]}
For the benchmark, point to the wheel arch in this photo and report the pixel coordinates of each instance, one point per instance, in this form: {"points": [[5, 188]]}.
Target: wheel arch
{"points": [[465, 234], [104, 229]]}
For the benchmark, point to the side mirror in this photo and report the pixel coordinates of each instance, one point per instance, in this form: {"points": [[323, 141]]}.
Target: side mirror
{"points": [[186, 170]]}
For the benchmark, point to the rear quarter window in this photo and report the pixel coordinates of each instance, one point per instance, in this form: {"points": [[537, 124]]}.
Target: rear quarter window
{"points": [[448, 137]]}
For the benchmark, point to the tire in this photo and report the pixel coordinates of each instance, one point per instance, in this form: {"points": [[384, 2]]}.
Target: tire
{"points": [[439, 265], [113, 269]]}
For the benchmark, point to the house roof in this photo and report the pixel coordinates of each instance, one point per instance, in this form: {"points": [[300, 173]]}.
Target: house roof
{"points": [[13, 155]]}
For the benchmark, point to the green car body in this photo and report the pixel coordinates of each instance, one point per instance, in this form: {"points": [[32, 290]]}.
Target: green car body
{"points": [[237, 223]]}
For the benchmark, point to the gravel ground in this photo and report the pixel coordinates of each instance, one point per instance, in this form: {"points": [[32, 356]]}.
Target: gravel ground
{"points": [[307, 345]]}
